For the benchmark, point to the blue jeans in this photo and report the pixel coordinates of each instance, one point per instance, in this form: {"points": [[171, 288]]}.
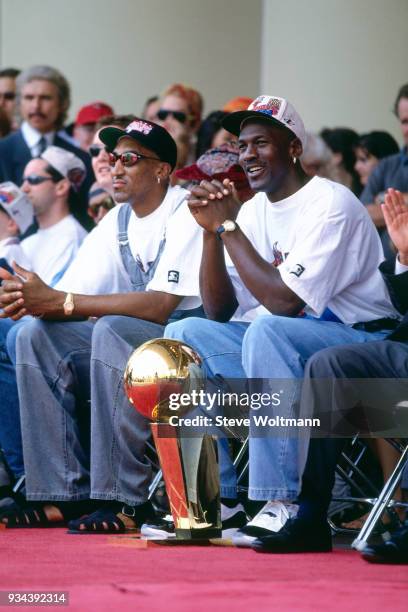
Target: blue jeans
{"points": [[10, 430], [271, 347]]}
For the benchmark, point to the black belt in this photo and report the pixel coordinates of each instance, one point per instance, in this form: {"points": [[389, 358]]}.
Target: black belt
{"points": [[377, 325]]}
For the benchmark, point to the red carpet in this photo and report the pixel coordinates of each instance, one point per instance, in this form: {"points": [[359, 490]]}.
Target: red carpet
{"points": [[103, 573]]}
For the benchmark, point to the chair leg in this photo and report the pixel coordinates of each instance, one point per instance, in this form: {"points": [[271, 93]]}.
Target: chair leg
{"points": [[381, 503]]}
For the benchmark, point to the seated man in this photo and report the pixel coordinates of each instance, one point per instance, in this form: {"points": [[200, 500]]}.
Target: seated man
{"points": [[300, 263], [140, 264], [16, 216], [386, 359], [50, 183]]}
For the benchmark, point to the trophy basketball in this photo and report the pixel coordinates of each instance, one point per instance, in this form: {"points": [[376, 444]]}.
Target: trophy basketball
{"points": [[155, 371]]}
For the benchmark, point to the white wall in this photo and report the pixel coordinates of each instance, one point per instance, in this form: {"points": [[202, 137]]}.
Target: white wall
{"points": [[123, 51], [340, 62]]}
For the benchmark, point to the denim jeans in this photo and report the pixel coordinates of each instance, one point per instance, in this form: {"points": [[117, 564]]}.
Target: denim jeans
{"points": [[272, 347], [60, 367], [10, 431]]}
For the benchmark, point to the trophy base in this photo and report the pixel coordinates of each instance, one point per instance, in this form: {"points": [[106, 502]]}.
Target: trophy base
{"points": [[198, 534]]}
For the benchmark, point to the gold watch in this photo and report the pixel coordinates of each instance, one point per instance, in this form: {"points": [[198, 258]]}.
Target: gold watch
{"points": [[227, 226], [69, 304]]}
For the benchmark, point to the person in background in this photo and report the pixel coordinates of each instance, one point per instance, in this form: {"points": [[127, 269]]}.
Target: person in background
{"points": [[341, 141], [218, 163], [370, 149], [16, 216], [211, 133], [316, 156], [151, 108], [8, 94], [5, 123], [98, 153], [237, 104], [43, 98], [100, 202], [180, 114], [84, 126]]}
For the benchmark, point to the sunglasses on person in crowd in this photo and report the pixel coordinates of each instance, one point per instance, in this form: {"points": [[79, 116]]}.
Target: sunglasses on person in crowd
{"points": [[106, 204], [37, 179], [178, 115], [130, 158], [95, 149], [8, 95]]}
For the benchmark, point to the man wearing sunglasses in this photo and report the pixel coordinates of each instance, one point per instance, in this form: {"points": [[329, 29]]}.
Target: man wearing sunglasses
{"points": [[140, 264], [8, 92], [48, 183]]}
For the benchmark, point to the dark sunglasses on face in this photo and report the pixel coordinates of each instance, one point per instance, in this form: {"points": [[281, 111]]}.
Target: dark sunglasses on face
{"points": [[8, 95], [128, 159], [178, 115], [106, 204], [94, 150], [37, 179]]}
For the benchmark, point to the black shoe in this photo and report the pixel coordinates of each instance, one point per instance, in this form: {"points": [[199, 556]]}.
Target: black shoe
{"points": [[296, 536], [159, 528], [395, 550]]}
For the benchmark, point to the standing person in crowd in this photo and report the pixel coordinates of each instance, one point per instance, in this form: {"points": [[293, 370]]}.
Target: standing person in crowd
{"points": [[370, 149], [300, 261], [180, 113], [387, 359], [43, 96], [151, 108], [48, 182], [8, 95], [140, 265]]}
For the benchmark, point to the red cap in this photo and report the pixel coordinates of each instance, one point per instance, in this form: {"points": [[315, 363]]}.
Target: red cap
{"points": [[92, 113]]}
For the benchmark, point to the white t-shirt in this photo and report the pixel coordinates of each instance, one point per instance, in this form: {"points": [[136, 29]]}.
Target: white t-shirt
{"points": [[52, 250], [10, 249], [326, 249], [98, 268]]}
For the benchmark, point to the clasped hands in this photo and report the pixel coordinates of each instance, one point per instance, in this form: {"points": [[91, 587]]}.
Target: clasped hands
{"points": [[212, 202], [23, 294]]}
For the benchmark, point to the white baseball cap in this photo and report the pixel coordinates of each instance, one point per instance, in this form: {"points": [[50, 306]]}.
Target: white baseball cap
{"points": [[67, 164], [16, 204], [275, 109]]}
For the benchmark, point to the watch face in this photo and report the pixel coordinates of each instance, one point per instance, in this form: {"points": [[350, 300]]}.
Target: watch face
{"points": [[229, 226], [69, 308]]}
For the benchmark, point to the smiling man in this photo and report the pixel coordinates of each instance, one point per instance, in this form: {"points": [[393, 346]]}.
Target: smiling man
{"points": [[43, 96], [139, 264], [293, 271]]}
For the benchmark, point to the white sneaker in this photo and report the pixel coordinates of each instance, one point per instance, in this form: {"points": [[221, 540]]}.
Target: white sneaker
{"points": [[232, 520], [271, 518]]}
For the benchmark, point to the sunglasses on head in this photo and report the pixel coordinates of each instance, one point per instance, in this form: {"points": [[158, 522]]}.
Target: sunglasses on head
{"points": [[95, 149], [8, 95], [178, 115], [130, 158], [37, 179]]}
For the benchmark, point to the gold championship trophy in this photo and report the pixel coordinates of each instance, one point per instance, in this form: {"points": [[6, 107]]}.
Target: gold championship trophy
{"points": [[155, 371]]}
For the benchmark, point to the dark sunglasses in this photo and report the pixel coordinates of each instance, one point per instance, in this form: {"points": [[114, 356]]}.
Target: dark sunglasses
{"points": [[8, 95], [94, 150], [128, 159], [107, 204], [178, 115], [37, 179]]}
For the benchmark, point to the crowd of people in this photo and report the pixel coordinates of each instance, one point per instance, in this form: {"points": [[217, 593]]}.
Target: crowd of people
{"points": [[273, 252]]}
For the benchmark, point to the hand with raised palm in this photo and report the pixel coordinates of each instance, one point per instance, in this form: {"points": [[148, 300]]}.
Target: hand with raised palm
{"points": [[396, 218]]}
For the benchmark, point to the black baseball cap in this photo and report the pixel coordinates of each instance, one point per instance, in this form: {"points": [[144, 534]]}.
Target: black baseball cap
{"points": [[149, 134]]}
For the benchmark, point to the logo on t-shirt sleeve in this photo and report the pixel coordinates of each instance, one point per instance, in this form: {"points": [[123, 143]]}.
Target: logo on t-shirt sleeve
{"points": [[173, 276], [297, 270]]}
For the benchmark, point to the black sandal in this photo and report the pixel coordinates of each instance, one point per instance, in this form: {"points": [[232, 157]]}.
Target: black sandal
{"points": [[112, 518], [34, 515]]}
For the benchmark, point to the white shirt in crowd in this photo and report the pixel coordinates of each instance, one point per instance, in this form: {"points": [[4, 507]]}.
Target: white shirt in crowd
{"points": [[51, 251], [10, 250], [326, 249], [98, 268]]}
